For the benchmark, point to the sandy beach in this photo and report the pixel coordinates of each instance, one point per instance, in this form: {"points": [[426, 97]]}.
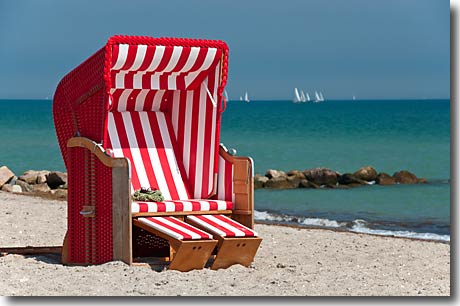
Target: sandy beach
{"points": [[290, 262]]}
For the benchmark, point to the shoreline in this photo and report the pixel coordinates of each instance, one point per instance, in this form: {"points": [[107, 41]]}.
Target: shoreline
{"points": [[291, 261], [51, 197], [344, 230]]}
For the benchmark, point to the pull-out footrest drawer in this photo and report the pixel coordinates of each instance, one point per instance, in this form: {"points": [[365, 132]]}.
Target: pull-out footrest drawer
{"points": [[191, 246], [238, 244]]}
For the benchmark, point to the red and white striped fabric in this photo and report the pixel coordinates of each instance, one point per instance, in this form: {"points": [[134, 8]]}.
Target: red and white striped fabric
{"points": [[139, 100], [225, 181], [161, 67], [175, 228], [222, 226], [145, 139], [177, 206], [195, 121]]}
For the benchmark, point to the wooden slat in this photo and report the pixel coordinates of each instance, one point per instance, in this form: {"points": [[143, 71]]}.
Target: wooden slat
{"points": [[121, 215], [30, 250], [92, 146]]}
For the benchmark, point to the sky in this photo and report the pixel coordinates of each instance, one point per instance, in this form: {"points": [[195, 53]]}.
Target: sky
{"points": [[378, 49]]}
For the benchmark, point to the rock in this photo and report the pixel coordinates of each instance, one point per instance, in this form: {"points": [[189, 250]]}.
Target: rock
{"points": [[307, 184], [367, 173], [60, 193], [56, 179], [348, 179], [294, 181], [385, 179], [275, 173], [321, 176], [422, 180], [281, 183], [296, 173], [259, 181], [405, 177], [25, 187], [343, 186], [13, 180], [30, 176], [5, 175], [353, 185], [12, 188], [41, 188]]}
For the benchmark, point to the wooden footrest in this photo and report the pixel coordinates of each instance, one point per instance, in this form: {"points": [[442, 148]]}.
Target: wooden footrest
{"points": [[238, 244], [191, 247]]}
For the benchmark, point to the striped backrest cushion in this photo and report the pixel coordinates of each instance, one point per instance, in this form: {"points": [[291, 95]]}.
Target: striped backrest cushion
{"points": [[147, 140], [196, 124], [161, 67]]}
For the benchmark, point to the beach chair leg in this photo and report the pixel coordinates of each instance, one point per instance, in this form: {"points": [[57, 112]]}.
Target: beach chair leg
{"points": [[191, 255], [65, 251], [236, 251]]}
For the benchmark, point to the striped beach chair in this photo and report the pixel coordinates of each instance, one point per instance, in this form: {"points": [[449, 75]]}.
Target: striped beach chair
{"points": [[146, 112]]}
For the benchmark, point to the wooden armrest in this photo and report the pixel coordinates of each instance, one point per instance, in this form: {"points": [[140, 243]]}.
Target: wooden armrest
{"points": [[243, 187], [96, 149]]}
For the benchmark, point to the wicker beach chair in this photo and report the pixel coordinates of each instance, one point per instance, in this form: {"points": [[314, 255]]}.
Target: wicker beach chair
{"points": [[146, 112]]}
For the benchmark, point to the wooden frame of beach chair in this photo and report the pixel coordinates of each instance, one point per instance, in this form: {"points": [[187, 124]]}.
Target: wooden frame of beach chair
{"points": [[105, 112]]}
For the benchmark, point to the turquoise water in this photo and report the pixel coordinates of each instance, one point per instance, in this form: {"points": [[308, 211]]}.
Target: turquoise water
{"points": [[341, 135], [344, 136]]}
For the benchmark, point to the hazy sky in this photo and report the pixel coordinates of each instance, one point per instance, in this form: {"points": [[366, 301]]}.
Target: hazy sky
{"points": [[369, 48]]}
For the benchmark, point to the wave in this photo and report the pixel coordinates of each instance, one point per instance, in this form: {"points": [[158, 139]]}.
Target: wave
{"points": [[357, 226]]}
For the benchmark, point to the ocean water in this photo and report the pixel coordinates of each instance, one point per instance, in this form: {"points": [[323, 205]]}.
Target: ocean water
{"points": [[341, 135]]}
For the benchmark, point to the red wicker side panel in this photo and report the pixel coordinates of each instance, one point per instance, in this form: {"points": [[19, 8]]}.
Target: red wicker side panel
{"points": [[75, 88], [90, 185]]}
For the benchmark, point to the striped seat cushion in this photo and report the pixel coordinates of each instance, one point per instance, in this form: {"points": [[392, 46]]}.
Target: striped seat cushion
{"points": [[175, 228], [222, 226], [181, 205]]}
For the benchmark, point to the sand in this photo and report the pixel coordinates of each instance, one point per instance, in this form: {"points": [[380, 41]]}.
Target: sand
{"points": [[290, 262]]}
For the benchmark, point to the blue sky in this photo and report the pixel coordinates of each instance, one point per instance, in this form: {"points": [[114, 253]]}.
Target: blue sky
{"points": [[371, 49]]}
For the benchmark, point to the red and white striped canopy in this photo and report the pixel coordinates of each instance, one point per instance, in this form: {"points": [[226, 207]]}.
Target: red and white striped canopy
{"points": [[164, 113], [161, 67]]}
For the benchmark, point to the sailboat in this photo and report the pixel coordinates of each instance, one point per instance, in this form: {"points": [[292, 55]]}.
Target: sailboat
{"points": [[246, 97], [321, 96], [303, 99], [308, 97], [318, 97], [225, 94], [297, 98]]}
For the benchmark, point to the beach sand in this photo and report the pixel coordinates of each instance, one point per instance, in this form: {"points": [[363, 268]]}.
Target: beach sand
{"points": [[290, 262]]}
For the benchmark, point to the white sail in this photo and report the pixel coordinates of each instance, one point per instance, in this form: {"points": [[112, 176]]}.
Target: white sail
{"points": [[241, 98], [317, 98], [302, 96], [308, 97], [225, 94], [297, 98], [246, 97], [321, 96]]}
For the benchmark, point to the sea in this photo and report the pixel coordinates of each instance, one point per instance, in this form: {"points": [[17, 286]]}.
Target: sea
{"points": [[342, 135]]}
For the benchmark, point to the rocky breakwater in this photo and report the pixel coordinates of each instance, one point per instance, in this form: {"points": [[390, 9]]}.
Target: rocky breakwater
{"points": [[50, 184], [327, 178]]}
